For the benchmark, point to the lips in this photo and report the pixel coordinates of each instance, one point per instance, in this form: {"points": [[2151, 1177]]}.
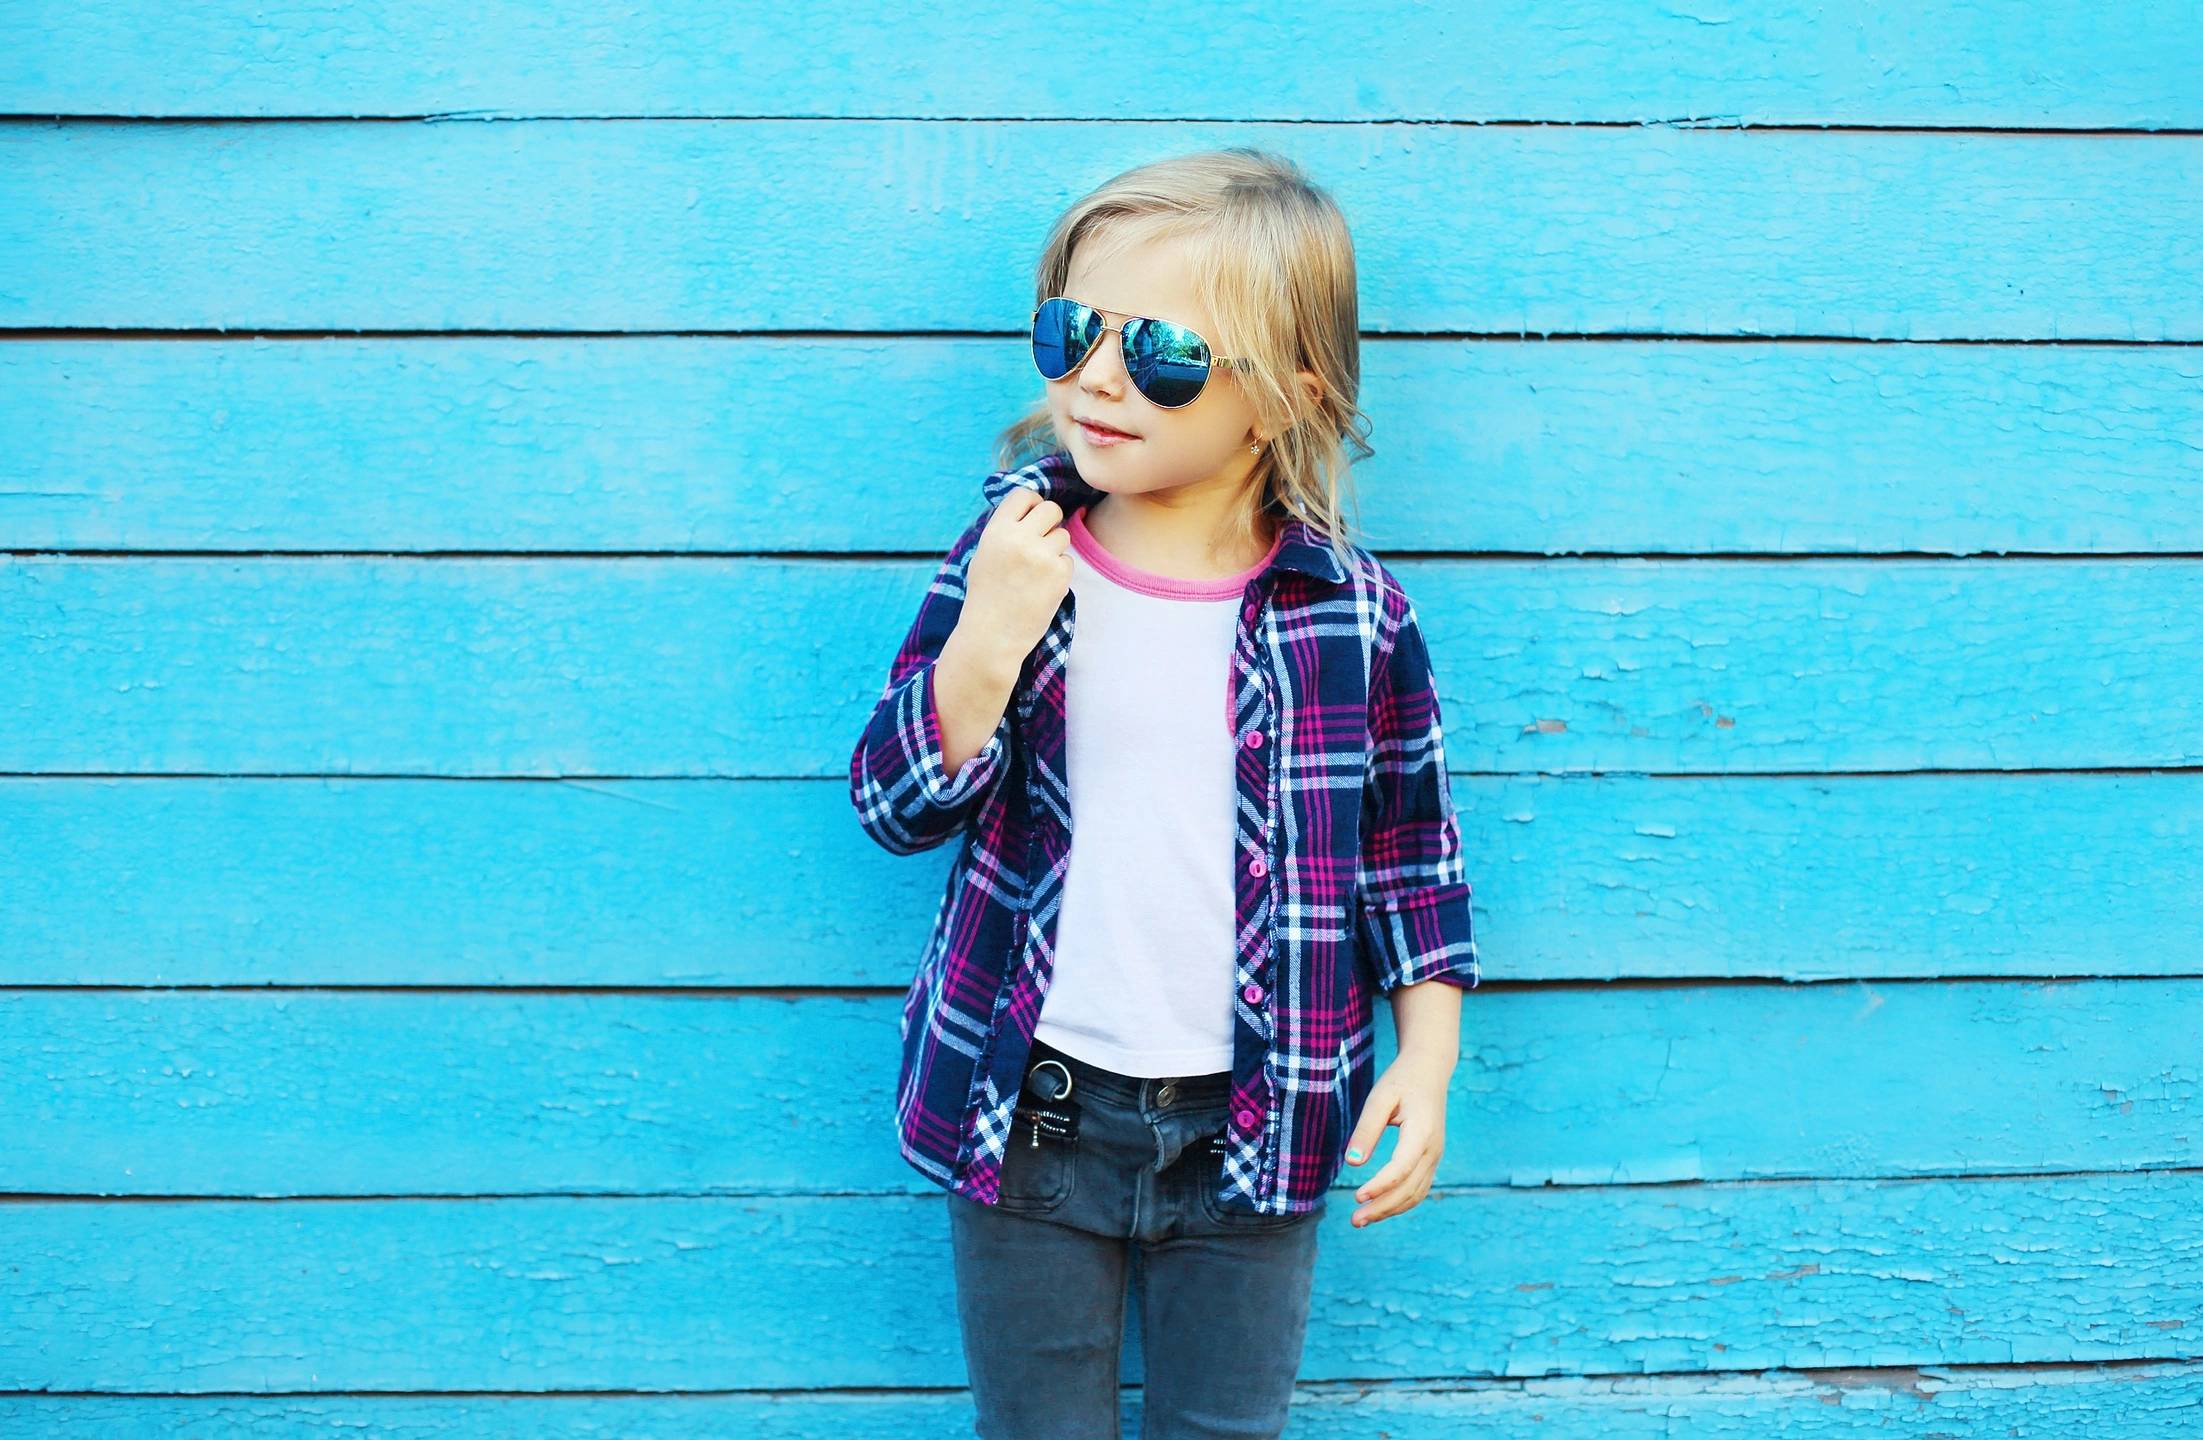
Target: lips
{"points": [[1106, 429]]}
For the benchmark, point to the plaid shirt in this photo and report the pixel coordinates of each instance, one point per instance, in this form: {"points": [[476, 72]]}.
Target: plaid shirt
{"points": [[1349, 882]]}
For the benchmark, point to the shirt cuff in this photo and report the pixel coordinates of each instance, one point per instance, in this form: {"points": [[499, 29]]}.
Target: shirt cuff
{"points": [[939, 787], [1426, 936]]}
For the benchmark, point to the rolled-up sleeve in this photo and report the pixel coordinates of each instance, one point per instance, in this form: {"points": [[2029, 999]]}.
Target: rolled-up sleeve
{"points": [[905, 798], [1412, 888]]}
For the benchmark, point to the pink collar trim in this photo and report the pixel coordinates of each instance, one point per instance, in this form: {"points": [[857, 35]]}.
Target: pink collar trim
{"points": [[1167, 587]]}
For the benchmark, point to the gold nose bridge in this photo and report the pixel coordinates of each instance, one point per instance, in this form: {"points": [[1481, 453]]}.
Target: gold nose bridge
{"points": [[1107, 329]]}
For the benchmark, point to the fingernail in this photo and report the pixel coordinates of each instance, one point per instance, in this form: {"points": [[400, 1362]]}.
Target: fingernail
{"points": [[1353, 1154]]}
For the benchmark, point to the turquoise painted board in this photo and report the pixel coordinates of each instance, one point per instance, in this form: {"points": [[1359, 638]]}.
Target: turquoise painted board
{"points": [[530, 1293], [1572, 61], [442, 986], [202, 881], [321, 1092], [2147, 1401], [911, 225], [658, 443], [763, 667]]}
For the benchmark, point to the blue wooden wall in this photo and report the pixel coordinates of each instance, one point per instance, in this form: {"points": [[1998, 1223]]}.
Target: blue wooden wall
{"points": [[464, 470]]}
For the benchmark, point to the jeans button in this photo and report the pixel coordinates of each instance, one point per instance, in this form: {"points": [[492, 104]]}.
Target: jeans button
{"points": [[1167, 1094]]}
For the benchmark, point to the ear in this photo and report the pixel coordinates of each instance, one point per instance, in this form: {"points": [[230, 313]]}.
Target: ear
{"points": [[1311, 387]]}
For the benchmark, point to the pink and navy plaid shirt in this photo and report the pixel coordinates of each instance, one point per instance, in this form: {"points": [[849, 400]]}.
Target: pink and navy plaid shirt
{"points": [[1348, 879]]}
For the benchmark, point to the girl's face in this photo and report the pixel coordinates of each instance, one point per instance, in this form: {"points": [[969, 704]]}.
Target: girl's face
{"points": [[1205, 441]]}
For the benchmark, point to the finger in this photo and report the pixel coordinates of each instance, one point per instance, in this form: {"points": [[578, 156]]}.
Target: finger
{"points": [[1406, 1197], [1399, 1204], [1044, 516], [1407, 1158], [1376, 1115]]}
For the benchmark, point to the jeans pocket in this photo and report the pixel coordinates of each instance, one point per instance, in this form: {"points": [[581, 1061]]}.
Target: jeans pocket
{"points": [[1210, 1180], [1041, 1159]]}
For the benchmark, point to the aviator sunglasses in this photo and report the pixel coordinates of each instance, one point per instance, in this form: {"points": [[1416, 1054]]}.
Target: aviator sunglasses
{"points": [[1168, 363]]}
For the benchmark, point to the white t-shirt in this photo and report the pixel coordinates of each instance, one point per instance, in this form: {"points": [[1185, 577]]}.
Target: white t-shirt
{"points": [[1144, 942]]}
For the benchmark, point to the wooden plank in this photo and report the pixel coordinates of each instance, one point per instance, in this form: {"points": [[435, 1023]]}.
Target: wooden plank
{"points": [[183, 881], [909, 225], [2107, 1402], [676, 443], [327, 1093], [1931, 64], [767, 668], [570, 1293]]}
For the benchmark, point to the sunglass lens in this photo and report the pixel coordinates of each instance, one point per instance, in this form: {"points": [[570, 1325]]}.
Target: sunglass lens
{"points": [[1168, 362], [1063, 331]]}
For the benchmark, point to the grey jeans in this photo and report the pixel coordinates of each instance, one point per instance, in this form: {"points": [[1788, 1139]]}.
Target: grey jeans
{"points": [[1119, 1169]]}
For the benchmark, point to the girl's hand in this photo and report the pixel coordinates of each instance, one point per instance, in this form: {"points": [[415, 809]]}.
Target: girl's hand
{"points": [[1018, 575], [1411, 1094]]}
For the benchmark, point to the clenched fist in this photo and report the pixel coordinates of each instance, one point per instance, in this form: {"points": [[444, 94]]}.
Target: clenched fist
{"points": [[1018, 575]]}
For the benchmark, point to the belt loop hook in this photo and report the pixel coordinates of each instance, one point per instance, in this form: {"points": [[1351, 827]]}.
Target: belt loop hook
{"points": [[1044, 1064]]}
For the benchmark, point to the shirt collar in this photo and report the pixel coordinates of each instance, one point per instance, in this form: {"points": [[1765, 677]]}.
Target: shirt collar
{"points": [[1054, 476]]}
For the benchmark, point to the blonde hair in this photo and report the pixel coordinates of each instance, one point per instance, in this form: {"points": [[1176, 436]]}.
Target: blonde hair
{"points": [[1274, 264]]}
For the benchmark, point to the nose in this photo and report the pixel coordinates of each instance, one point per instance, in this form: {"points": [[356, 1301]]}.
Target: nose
{"points": [[1104, 367]]}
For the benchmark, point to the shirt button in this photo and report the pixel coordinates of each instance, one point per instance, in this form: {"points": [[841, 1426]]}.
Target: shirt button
{"points": [[1256, 868], [1246, 1119], [1254, 739], [1253, 992]]}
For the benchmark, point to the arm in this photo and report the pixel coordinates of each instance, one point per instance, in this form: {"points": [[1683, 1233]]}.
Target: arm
{"points": [[1412, 1095], [942, 695], [1413, 910], [1413, 893]]}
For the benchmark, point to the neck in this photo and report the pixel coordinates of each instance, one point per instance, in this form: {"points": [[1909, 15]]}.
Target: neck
{"points": [[1186, 540]]}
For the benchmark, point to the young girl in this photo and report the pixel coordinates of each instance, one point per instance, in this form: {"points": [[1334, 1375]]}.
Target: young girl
{"points": [[1156, 1043]]}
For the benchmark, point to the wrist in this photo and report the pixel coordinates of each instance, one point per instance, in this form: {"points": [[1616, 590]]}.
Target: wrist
{"points": [[1428, 1055], [983, 656]]}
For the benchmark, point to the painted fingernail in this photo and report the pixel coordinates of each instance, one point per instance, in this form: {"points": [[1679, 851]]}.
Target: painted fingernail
{"points": [[1353, 1154]]}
